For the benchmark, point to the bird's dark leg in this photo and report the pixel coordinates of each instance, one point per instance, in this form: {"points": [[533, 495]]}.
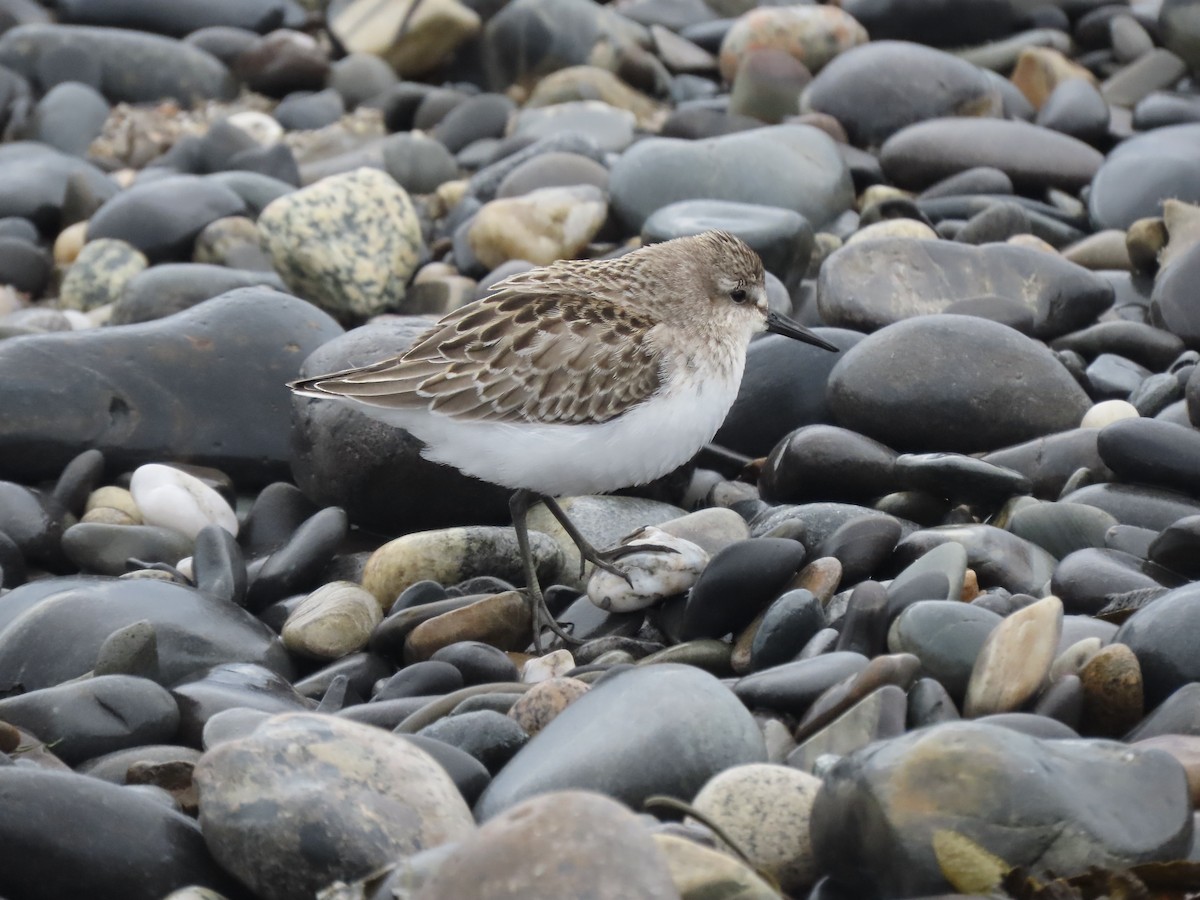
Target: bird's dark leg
{"points": [[601, 559], [518, 506]]}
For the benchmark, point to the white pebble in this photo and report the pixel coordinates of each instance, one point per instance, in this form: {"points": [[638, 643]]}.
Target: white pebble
{"points": [[264, 129], [552, 665], [174, 499], [1108, 411], [654, 575]]}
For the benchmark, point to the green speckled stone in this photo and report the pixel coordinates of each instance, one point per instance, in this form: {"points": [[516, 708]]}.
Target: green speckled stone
{"points": [[348, 243], [99, 274]]}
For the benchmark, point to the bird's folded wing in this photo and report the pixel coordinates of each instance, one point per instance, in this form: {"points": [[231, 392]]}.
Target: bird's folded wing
{"points": [[516, 358]]}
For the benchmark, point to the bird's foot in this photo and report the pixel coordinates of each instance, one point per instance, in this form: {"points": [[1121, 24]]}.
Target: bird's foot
{"points": [[541, 617], [607, 559]]}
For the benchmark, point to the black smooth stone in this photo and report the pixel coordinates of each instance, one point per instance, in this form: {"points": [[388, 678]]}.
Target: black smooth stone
{"points": [[361, 670], [939, 23], [860, 545], [739, 582], [929, 704], [793, 687], [62, 831], [23, 265], [295, 566], [479, 663], [959, 478], [1163, 635], [768, 406], [488, 736], [36, 183], [1152, 452], [429, 677], [1076, 108], [128, 66], [84, 719], [183, 16], [46, 643], [279, 509], [864, 627], [825, 462], [1177, 547], [469, 775], [1048, 462], [1178, 714], [1112, 377], [34, 522], [218, 567], [210, 392], [787, 626], [999, 558], [1146, 345], [309, 111], [231, 686], [162, 217]]}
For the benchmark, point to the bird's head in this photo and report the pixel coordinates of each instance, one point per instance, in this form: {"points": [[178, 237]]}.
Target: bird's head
{"points": [[737, 286]]}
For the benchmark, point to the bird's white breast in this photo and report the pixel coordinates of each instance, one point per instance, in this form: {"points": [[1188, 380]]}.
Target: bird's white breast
{"points": [[650, 440]]}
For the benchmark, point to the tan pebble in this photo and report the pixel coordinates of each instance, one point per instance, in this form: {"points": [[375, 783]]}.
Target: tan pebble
{"points": [[701, 872], [541, 703], [1100, 251], [894, 228], [1145, 240], [1015, 659], [106, 515], [69, 242], [10, 737], [970, 589], [333, 621], [542, 226], [766, 809], [114, 497], [878, 193], [502, 620], [1033, 242], [1113, 699], [1040, 70]]}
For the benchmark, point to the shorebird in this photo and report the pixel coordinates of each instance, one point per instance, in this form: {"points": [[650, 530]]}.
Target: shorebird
{"points": [[579, 377]]}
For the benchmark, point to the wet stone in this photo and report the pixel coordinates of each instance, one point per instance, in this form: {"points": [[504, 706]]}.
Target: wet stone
{"points": [[1073, 779], [319, 772]]}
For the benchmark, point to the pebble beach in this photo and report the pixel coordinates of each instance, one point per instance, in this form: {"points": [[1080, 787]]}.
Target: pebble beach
{"points": [[928, 625]]}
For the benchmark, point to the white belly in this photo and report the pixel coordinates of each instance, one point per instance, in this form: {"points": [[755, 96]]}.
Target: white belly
{"points": [[649, 441]]}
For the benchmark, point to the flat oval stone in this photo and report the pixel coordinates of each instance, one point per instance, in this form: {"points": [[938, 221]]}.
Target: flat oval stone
{"points": [[133, 67], [333, 621], [872, 109], [491, 737], [768, 406], [947, 636], [206, 694], [737, 583], [162, 217], [793, 687], [878, 716], [931, 383], [588, 832], [169, 288], [51, 630], [105, 549], [321, 772], [978, 22], [795, 167], [824, 462], [898, 788], [871, 284], [1035, 158], [1015, 659], [209, 393], [453, 555], [88, 821], [89, 718], [1139, 173], [781, 237], [1062, 528], [1135, 504], [39, 177], [787, 625], [688, 727], [1160, 635]]}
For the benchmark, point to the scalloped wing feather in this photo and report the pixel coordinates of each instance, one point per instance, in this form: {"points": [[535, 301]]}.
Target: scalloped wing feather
{"points": [[516, 357]]}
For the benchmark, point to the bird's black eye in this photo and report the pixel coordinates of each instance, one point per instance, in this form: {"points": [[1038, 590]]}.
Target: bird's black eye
{"points": [[738, 295]]}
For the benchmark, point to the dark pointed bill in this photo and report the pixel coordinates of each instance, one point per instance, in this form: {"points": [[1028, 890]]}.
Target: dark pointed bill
{"points": [[777, 324]]}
